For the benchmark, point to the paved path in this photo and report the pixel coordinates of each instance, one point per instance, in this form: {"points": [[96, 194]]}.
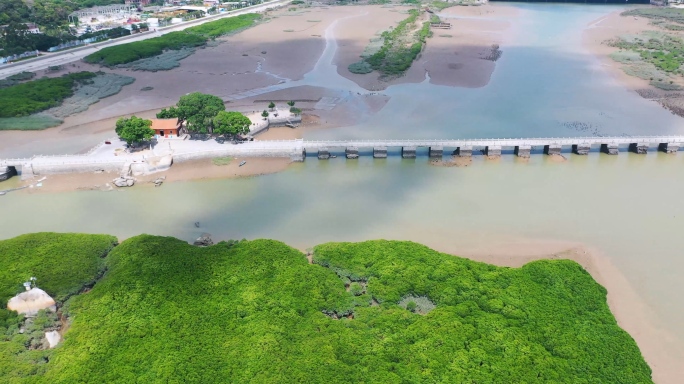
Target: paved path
{"points": [[64, 57]]}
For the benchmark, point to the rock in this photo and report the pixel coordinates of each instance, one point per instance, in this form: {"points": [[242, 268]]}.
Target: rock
{"points": [[53, 338], [158, 181], [124, 181], [30, 302], [204, 240]]}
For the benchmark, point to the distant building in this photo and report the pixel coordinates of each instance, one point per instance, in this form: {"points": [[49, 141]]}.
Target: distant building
{"points": [[141, 3], [167, 128]]}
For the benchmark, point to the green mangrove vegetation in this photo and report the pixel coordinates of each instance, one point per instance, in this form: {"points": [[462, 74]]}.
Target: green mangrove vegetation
{"points": [[173, 41], [258, 311], [34, 96], [400, 47], [63, 264]]}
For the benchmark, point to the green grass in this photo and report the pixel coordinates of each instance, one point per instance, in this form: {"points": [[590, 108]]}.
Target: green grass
{"points": [[189, 38], [256, 311], [38, 95], [674, 15], [221, 161]]}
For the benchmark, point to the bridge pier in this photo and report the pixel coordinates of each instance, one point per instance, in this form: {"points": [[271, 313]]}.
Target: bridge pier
{"points": [[436, 151], [639, 148], [380, 152], [609, 149], [552, 149], [323, 153], [351, 152], [581, 149], [408, 152], [493, 150], [464, 151], [669, 147], [523, 150]]}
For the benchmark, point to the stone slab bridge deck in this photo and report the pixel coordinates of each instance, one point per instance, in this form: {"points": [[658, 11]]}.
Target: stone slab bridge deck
{"points": [[102, 157], [493, 147]]}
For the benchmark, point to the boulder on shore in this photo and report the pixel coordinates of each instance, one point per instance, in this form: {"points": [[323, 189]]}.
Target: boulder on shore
{"points": [[204, 240], [32, 301], [124, 181]]}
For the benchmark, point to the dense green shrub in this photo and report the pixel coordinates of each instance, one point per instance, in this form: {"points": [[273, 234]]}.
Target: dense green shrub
{"points": [[38, 95], [255, 311], [191, 37], [62, 263]]}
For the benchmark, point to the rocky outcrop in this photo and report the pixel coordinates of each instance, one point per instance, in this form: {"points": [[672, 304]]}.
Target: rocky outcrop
{"points": [[204, 240], [53, 338], [31, 301]]}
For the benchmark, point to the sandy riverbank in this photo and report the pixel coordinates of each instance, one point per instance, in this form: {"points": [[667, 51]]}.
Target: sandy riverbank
{"points": [[186, 171], [596, 39]]}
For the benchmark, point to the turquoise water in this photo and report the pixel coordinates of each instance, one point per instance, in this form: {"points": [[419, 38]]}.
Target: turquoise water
{"points": [[628, 206]]}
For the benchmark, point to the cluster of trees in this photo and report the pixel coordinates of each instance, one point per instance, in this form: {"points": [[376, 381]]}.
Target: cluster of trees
{"points": [[63, 264], [206, 114], [188, 38], [255, 311], [38, 95], [134, 130]]}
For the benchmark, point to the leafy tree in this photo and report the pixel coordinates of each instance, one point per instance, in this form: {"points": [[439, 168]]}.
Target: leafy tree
{"points": [[197, 110], [231, 123], [295, 111], [271, 105], [291, 103], [134, 129], [264, 114], [411, 306]]}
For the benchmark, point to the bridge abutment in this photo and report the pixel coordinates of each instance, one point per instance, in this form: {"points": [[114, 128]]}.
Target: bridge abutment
{"points": [[669, 147], [609, 149], [351, 152], [380, 152], [492, 150], [464, 151], [638, 148], [436, 151], [523, 150], [408, 152], [581, 149], [552, 149]]}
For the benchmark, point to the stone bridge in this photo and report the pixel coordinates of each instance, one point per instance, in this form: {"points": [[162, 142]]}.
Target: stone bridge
{"points": [[100, 159]]}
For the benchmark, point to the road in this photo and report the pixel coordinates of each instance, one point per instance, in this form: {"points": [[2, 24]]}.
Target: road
{"points": [[68, 56]]}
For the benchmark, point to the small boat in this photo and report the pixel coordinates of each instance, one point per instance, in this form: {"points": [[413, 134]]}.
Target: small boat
{"points": [[243, 163], [333, 156]]}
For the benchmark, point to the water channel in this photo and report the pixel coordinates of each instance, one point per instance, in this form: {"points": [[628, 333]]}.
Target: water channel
{"points": [[628, 206]]}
